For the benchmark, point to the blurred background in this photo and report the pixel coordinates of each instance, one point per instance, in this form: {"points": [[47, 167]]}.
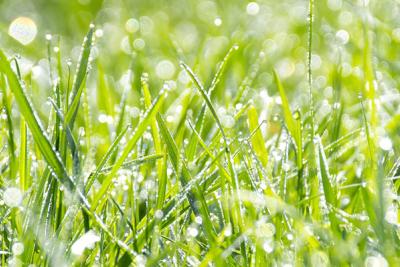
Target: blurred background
{"points": [[151, 36]]}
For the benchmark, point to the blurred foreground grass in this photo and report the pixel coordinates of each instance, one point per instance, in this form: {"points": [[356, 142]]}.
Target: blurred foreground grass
{"points": [[199, 133]]}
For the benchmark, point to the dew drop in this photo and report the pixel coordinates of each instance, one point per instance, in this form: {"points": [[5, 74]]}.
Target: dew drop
{"points": [[296, 115], [99, 33], [158, 214], [217, 22], [192, 231], [275, 118], [198, 220]]}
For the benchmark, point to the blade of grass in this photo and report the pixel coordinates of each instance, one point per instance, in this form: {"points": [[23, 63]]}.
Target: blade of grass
{"points": [[23, 157], [155, 136], [35, 126], [185, 178], [257, 139], [141, 128], [10, 132], [42, 140], [325, 177], [93, 176], [81, 72]]}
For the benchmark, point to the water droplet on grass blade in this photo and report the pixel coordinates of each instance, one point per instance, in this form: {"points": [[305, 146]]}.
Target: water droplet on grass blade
{"points": [[158, 214], [296, 115], [23, 29], [217, 22], [99, 33], [275, 118], [192, 231]]}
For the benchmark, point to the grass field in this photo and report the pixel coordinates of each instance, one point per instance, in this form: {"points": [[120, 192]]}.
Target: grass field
{"points": [[199, 133]]}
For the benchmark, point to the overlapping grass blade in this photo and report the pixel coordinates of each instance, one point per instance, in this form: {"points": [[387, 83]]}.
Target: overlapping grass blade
{"points": [[184, 175], [142, 126], [38, 133], [93, 176], [205, 96]]}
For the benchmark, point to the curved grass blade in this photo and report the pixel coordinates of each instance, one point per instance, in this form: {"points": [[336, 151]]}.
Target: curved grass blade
{"points": [[37, 130], [134, 162], [82, 63], [142, 126], [185, 178], [10, 130], [236, 209], [93, 176], [206, 97], [73, 107], [191, 150], [221, 67], [287, 113], [323, 172], [70, 138], [43, 142], [153, 124], [81, 71]]}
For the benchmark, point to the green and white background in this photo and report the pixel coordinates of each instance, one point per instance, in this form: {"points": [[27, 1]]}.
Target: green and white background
{"points": [[199, 133]]}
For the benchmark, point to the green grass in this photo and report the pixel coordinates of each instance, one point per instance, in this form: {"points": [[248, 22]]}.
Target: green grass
{"points": [[246, 145]]}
